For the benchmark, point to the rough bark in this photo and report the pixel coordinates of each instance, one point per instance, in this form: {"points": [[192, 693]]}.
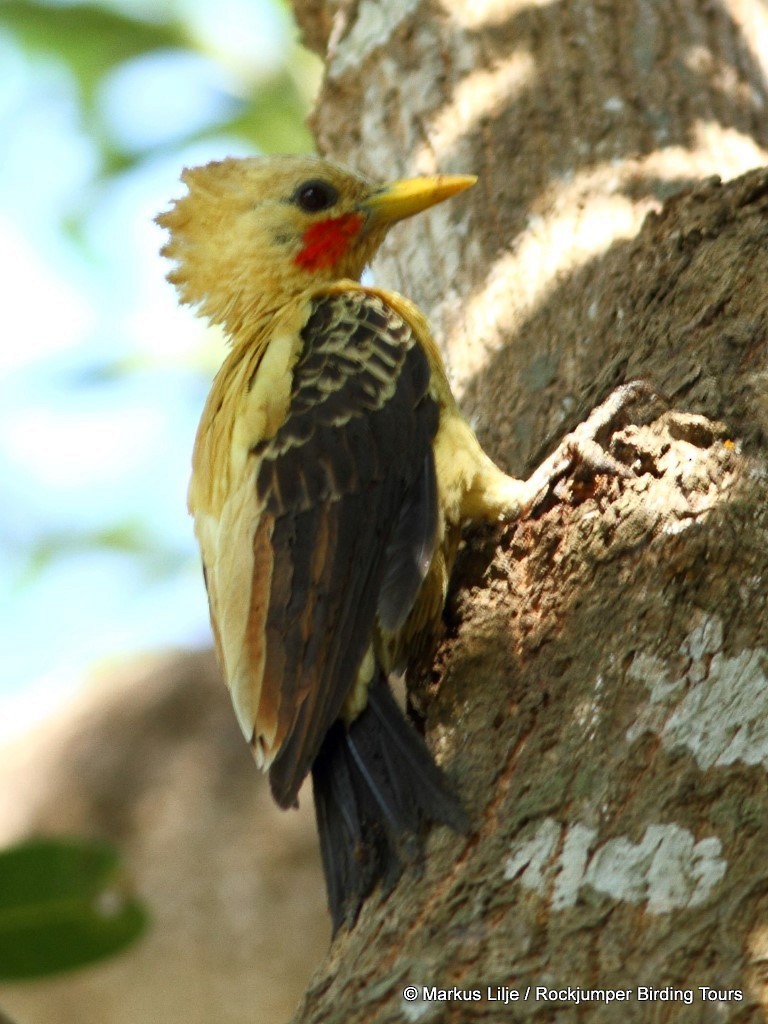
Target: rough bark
{"points": [[599, 695]]}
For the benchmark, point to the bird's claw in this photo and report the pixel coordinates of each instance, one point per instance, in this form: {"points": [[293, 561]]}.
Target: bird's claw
{"points": [[589, 454], [583, 443], [583, 446]]}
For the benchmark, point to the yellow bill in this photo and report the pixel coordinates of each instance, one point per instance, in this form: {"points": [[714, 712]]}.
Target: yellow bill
{"points": [[403, 198]]}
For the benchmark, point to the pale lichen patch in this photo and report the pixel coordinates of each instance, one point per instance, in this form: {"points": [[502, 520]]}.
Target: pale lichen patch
{"points": [[373, 28], [418, 1009], [587, 713], [716, 705], [667, 870], [531, 859], [573, 861]]}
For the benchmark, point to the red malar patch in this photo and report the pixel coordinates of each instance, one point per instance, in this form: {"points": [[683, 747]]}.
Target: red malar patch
{"points": [[327, 241]]}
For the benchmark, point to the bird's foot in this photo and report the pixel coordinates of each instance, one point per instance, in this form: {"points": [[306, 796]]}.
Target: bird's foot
{"points": [[585, 447]]}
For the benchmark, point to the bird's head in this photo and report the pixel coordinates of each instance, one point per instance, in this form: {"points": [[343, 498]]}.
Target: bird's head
{"points": [[251, 233]]}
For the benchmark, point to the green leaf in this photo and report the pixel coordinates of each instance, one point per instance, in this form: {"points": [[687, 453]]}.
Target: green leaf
{"points": [[63, 903]]}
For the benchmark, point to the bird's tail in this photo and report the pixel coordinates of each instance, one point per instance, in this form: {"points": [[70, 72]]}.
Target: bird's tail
{"points": [[377, 791]]}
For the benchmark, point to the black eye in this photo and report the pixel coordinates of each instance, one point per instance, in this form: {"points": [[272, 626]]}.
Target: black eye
{"points": [[313, 196]]}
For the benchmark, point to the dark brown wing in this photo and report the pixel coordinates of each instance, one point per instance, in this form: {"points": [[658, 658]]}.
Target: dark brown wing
{"points": [[348, 484]]}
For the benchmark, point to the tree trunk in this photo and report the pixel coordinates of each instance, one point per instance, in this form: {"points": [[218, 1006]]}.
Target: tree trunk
{"points": [[600, 693]]}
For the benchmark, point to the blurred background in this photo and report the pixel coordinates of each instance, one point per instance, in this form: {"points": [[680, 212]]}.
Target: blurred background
{"points": [[114, 722], [102, 376]]}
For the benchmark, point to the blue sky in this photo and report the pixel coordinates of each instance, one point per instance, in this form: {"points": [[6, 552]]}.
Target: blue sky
{"points": [[102, 376]]}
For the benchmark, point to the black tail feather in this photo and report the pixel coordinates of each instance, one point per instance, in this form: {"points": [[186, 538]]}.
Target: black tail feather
{"points": [[377, 791]]}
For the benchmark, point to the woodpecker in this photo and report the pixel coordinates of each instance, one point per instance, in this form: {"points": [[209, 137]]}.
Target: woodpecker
{"points": [[332, 474]]}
